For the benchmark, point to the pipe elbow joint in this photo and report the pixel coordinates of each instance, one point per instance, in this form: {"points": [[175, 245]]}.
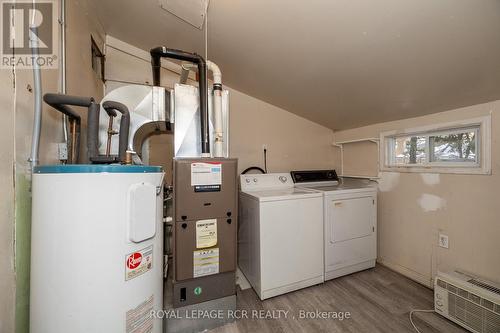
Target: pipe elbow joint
{"points": [[112, 105]]}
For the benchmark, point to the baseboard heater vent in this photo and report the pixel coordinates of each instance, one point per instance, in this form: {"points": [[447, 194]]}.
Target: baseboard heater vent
{"points": [[470, 302]]}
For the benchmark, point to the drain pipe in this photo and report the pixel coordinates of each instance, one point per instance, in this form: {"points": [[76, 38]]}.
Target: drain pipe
{"points": [[162, 52], [37, 89], [217, 94], [218, 137]]}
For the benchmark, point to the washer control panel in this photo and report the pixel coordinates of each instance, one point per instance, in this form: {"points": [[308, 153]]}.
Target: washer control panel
{"points": [[262, 182]]}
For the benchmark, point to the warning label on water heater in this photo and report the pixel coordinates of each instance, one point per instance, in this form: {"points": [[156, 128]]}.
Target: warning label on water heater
{"points": [[206, 173], [205, 262], [139, 319], [138, 263]]}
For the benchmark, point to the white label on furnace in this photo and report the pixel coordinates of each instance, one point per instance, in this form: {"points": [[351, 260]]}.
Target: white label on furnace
{"points": [[206, 173], [138, 263], [206, 233], [205, 262], [139, 319]]}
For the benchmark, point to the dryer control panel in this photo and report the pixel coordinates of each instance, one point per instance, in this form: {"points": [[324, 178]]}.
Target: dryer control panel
{"points": [[314, 176]]}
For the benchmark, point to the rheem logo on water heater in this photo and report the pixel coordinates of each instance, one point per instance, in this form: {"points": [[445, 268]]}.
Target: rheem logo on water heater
{"points": [[134, 260], [138, 262]]}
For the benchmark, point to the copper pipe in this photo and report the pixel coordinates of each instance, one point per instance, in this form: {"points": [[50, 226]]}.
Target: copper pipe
{"points": [[110, 135], [128, 157]]}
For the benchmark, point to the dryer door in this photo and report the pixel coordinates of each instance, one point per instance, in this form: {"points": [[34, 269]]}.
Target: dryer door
{"points": [[350, 233], [351, 218]]}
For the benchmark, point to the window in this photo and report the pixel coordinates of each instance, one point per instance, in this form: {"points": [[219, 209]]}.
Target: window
{"points": [[460, 147]]}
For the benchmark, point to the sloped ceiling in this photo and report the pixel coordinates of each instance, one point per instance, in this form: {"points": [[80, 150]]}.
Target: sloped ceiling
{"points": [[340, 63]]}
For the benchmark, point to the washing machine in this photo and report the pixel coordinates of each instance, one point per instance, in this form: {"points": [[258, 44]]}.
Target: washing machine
{"points": [[350, 220], [280, 236]]}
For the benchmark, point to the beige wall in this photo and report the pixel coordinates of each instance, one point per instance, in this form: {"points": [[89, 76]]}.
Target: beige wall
{"points": [[81, 79], [15, 135], [161, 152], [469, 208], [7, 277], [360, 159], [292, 142]]}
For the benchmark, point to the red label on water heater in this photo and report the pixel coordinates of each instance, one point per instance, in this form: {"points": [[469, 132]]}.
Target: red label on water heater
{"points": [[138, 262], [134, 260]]}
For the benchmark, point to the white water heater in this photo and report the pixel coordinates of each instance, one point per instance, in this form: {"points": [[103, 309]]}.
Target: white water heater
{"points": [[96, 249]]}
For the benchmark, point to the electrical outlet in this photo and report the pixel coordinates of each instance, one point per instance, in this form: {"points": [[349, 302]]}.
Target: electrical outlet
{"points": [[264, 147], [443, 241], [62, 151]]}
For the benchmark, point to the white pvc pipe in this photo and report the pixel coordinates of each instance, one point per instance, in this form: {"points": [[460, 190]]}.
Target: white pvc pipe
{"points": [[217, 95], [211, 66], [218, 131]]}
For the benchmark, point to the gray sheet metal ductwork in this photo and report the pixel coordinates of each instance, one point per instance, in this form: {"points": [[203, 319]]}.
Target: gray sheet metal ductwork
{"points": [[186, 122], [149, 109], [217, 100], [163, 52]]}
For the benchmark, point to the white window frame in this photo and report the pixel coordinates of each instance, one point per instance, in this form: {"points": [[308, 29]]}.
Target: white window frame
{"points": [[482, 166]]}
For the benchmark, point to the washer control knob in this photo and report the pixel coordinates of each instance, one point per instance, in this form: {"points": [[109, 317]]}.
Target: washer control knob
{"points": [[247, 180], [283, 179], [255, 180]]}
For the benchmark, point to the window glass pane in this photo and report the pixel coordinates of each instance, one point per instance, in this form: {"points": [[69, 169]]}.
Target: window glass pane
{"points": [[409, 150], [453, 147]]}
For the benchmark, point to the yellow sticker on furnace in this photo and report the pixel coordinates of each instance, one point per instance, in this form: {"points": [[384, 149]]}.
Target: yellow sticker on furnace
{"points": [[206, 233]]}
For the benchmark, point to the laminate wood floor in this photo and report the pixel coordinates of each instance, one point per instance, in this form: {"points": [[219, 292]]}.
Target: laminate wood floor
{"points": [[379, 300]]}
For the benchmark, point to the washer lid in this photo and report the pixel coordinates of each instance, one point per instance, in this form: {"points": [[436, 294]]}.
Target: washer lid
{"points": [[96, 168]]}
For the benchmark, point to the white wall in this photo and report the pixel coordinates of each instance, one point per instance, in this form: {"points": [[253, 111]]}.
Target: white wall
{"points": [[469, 211]]}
